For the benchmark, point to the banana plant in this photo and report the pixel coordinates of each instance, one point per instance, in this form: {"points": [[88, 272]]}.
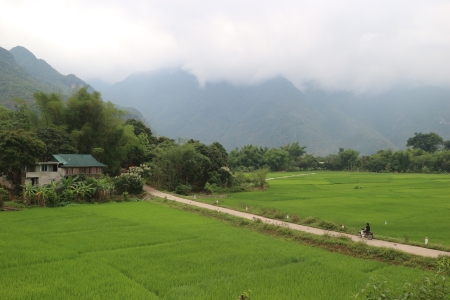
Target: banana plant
{"points": [[82, 190], [29, 193]]}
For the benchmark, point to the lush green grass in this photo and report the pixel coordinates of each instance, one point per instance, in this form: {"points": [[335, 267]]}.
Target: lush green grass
{"points": [[414, 206], [143, 250]]}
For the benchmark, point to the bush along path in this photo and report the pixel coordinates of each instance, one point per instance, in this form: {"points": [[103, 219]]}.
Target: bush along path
{"points": [[377, 243]]}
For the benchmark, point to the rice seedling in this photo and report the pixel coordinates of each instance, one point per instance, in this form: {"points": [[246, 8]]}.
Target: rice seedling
{"points": [[143, 250]]}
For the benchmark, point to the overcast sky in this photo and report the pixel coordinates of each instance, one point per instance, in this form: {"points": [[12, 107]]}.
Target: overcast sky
{"points": [[357, 45]]}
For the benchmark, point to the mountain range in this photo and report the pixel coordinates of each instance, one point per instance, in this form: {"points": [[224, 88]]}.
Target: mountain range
{"points": [[270, 113], [22, 74], [275, 112]]}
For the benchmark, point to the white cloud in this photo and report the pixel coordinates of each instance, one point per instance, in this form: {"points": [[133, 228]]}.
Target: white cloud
{"points": [[358, 45]]}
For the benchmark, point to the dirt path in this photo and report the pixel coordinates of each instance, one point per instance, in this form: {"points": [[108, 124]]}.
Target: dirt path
{"points": [[406, 248]]}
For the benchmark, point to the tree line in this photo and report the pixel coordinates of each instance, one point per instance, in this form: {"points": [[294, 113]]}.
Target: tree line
{"points": [[85, 124], [426, 153]]}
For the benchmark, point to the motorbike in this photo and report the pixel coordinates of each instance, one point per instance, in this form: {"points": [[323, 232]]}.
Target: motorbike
{"points": [[362, 234]]}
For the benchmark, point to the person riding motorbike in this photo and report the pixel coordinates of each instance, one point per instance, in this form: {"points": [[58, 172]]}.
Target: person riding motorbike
{"points": [[366, 230]]}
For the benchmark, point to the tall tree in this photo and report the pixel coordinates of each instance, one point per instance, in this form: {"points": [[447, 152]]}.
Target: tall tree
{"points": [[51, 107], [18, 148], [348, 158], [56, 141], [429, 142]]}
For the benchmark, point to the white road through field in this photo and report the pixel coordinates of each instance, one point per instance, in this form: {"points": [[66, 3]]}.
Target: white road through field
{"points": [[402, 247]]}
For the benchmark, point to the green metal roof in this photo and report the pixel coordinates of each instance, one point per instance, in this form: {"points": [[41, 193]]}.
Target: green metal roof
{"points": [[77, 160]]}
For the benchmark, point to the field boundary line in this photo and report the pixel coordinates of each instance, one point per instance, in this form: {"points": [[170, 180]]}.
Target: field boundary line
{"points": [[273, 178], [376, 243]]}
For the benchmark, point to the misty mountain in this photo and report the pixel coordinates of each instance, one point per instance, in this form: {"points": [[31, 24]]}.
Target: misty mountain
{"points": [[15, 82], [42, 72], [98, 84], [275, 112], [270, 113], [22, 74]]}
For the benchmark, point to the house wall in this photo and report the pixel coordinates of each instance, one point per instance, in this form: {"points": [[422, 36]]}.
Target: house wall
{"points": [[45, 177], [84, 170]]}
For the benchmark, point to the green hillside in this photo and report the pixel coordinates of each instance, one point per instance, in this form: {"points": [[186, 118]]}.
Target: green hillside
{"points": [[22, 74], [42, 72], [14, 81], [271, 113]]}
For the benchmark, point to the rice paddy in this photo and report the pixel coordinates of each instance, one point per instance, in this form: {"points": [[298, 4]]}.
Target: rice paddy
{"points": [[409, 207], [142, 250]]}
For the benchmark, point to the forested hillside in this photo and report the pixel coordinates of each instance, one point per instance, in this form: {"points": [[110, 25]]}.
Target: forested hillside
{"points": [[268, 114], [14, 81], [275, 112], [22, 74]]}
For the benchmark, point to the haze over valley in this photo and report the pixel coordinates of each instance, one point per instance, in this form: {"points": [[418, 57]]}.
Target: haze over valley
{"points": [[361, 75]]}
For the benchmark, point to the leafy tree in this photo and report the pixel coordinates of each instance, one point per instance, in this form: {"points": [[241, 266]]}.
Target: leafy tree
{"points": [[348, 158], [22, 117], [276, 159], [446, 145], [18, 148], [51, 107], [140, 128], [429, 142], [56, 141], [249, 156], [400, 161]]}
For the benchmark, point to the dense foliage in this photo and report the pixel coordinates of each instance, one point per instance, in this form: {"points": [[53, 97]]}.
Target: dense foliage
{"points": [[428, 153], [86, 124]]}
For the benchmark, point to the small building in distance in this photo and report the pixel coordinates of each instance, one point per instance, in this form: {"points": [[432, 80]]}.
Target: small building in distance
{"points": [[61, 165]]}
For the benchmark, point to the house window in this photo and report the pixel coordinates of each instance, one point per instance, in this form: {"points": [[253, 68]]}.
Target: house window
{"points": [[55, 168], [44, 168]]}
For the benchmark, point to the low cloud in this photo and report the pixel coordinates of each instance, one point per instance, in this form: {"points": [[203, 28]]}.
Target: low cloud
{"points": [[354, 45]]}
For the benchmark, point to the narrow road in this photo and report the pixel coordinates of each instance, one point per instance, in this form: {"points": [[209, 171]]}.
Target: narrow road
{"points": [[402, 247]]}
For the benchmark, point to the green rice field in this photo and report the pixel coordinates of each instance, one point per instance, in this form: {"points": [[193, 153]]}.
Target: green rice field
{"points": [[143, 250], [406, 206]]}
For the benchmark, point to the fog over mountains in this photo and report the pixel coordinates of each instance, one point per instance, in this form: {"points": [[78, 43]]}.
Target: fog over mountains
{"points": [[270, 113], [274, 112]]}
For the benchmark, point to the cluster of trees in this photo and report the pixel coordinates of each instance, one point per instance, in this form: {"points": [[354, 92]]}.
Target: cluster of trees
{"points": [[84, 123], [252, 157], [427, 152], [81, 124]]}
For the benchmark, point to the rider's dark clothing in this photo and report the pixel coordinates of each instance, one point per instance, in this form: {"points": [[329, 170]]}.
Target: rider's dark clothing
{"points": [[367, 229]]}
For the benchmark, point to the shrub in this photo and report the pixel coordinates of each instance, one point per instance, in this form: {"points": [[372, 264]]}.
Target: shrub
{"points": [[309, 220], [210, 188], [52, 198], [183, 189], [4, 196], [327, 225], [129, 182]]}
